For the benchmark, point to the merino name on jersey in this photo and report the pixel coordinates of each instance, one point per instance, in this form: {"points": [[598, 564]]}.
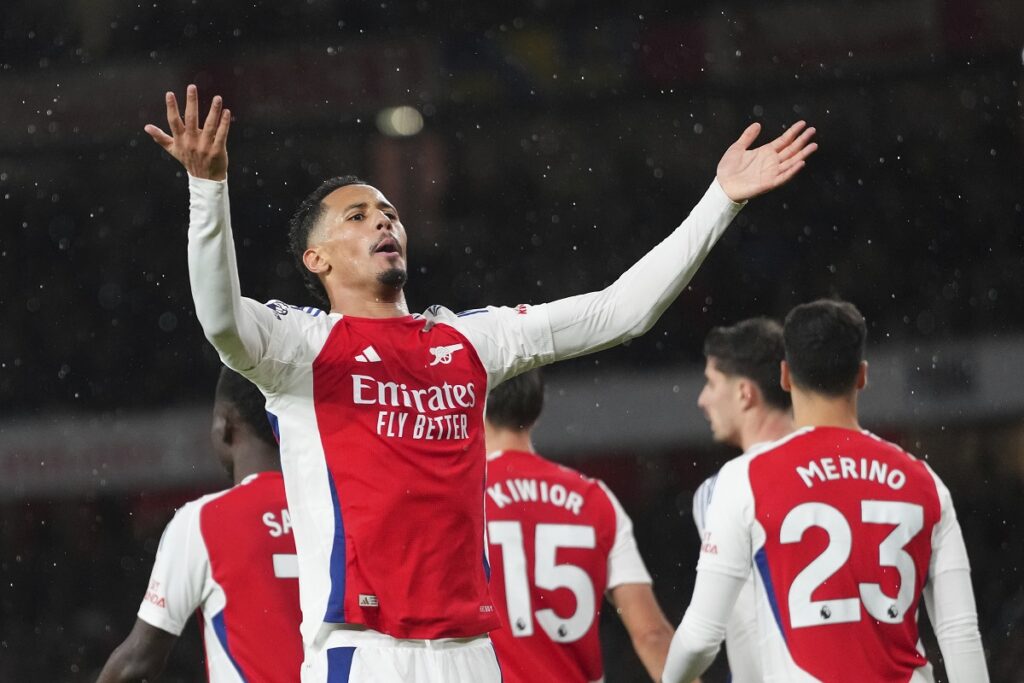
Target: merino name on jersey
{"points": [[533, 491], [843, 467]]}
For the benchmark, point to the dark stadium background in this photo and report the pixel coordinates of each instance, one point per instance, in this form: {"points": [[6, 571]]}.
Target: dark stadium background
{"points": [[560, 141]]}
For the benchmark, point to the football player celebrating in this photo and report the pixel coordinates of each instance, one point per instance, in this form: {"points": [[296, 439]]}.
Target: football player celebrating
{"points": [[380, 413]]}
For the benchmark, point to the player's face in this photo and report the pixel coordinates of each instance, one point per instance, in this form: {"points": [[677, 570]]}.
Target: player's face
{"points": [[360, 238], [720, 399]]}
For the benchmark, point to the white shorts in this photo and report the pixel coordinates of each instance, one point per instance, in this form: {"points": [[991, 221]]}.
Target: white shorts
{"points": [[367, 656]]}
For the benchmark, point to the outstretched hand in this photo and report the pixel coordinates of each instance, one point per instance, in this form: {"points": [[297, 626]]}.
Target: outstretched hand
{"points": [[744, 173], [202, 151]]}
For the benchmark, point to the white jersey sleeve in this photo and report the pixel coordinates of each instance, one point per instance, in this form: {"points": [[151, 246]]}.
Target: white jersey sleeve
{"points": [[509, 341], [727, 542], [722, 571], [701, 501], [252, 338], [180, 579], [700, 633], [949, 597], [624, 562], [513, 340], [741, 629], [633, 303]]}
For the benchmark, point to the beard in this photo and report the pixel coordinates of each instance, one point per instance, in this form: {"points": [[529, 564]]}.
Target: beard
{"points": [[394, 278]]}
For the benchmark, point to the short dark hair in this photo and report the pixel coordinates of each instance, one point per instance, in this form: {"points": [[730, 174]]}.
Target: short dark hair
{"points": [[236, 390], [517, 403], [825, 342], [753, 349], [304, 220]]}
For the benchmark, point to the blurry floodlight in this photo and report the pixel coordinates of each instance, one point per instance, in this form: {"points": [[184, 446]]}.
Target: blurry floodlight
{"points": [[399, 122]]}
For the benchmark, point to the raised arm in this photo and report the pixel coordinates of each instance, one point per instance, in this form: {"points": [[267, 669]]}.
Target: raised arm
{"points": [[238, 328], [632, 304]]}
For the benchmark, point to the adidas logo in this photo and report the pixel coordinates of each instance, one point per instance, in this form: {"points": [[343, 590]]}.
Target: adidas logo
{"points": [[369, 355]]}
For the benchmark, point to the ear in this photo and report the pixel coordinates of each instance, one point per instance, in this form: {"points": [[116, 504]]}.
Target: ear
{"points": [[784, 379], [221, 428], [748, 393], [862, 375], [316, 263]]}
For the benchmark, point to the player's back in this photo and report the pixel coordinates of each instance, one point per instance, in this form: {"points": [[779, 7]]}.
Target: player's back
{"points": [[847, 523], [252, 607], [550, 531]]}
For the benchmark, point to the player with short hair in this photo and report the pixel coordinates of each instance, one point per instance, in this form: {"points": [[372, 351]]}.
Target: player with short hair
{"points": [[746, 407], [842, 531], [380, 413], [231, 556], [559, 542]]}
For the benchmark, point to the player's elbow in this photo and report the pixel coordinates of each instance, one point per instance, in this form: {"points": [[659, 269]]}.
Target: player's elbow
{"points": [[959, 629], [227, 341]]}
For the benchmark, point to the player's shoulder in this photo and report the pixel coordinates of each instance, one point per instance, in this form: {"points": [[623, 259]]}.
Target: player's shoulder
{"points": [[187, 521], [531, 464], [734, 469], [893, 449], [256, 489], [524, 464], [292, 314], [476, 316], [195, 507], [574, 476], [196, 504]]}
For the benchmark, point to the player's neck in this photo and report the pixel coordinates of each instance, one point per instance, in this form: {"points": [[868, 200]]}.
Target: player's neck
{"points": [[767, 425], [507, 440], [253, 460], [385, 302], [815, 410]]}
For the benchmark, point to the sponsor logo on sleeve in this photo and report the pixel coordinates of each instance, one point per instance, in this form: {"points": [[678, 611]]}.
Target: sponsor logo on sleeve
{"points": [[281, 309], [153, 595], [707, 545]]}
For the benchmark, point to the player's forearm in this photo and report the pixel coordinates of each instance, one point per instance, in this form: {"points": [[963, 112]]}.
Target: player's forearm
{"points": [[700, 633], [632, 304], [127, 665], [214, 274], [651, 646], [950, 601], [686, 662]]}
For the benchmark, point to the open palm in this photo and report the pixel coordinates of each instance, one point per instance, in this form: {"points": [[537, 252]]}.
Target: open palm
{"points": [[202, 151], [744, 173]]}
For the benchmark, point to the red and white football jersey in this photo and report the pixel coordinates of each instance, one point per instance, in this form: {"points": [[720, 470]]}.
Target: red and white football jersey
{"points": [[231, 554], [558, 540], [842, 529], [380, 420], [381, 427]]}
